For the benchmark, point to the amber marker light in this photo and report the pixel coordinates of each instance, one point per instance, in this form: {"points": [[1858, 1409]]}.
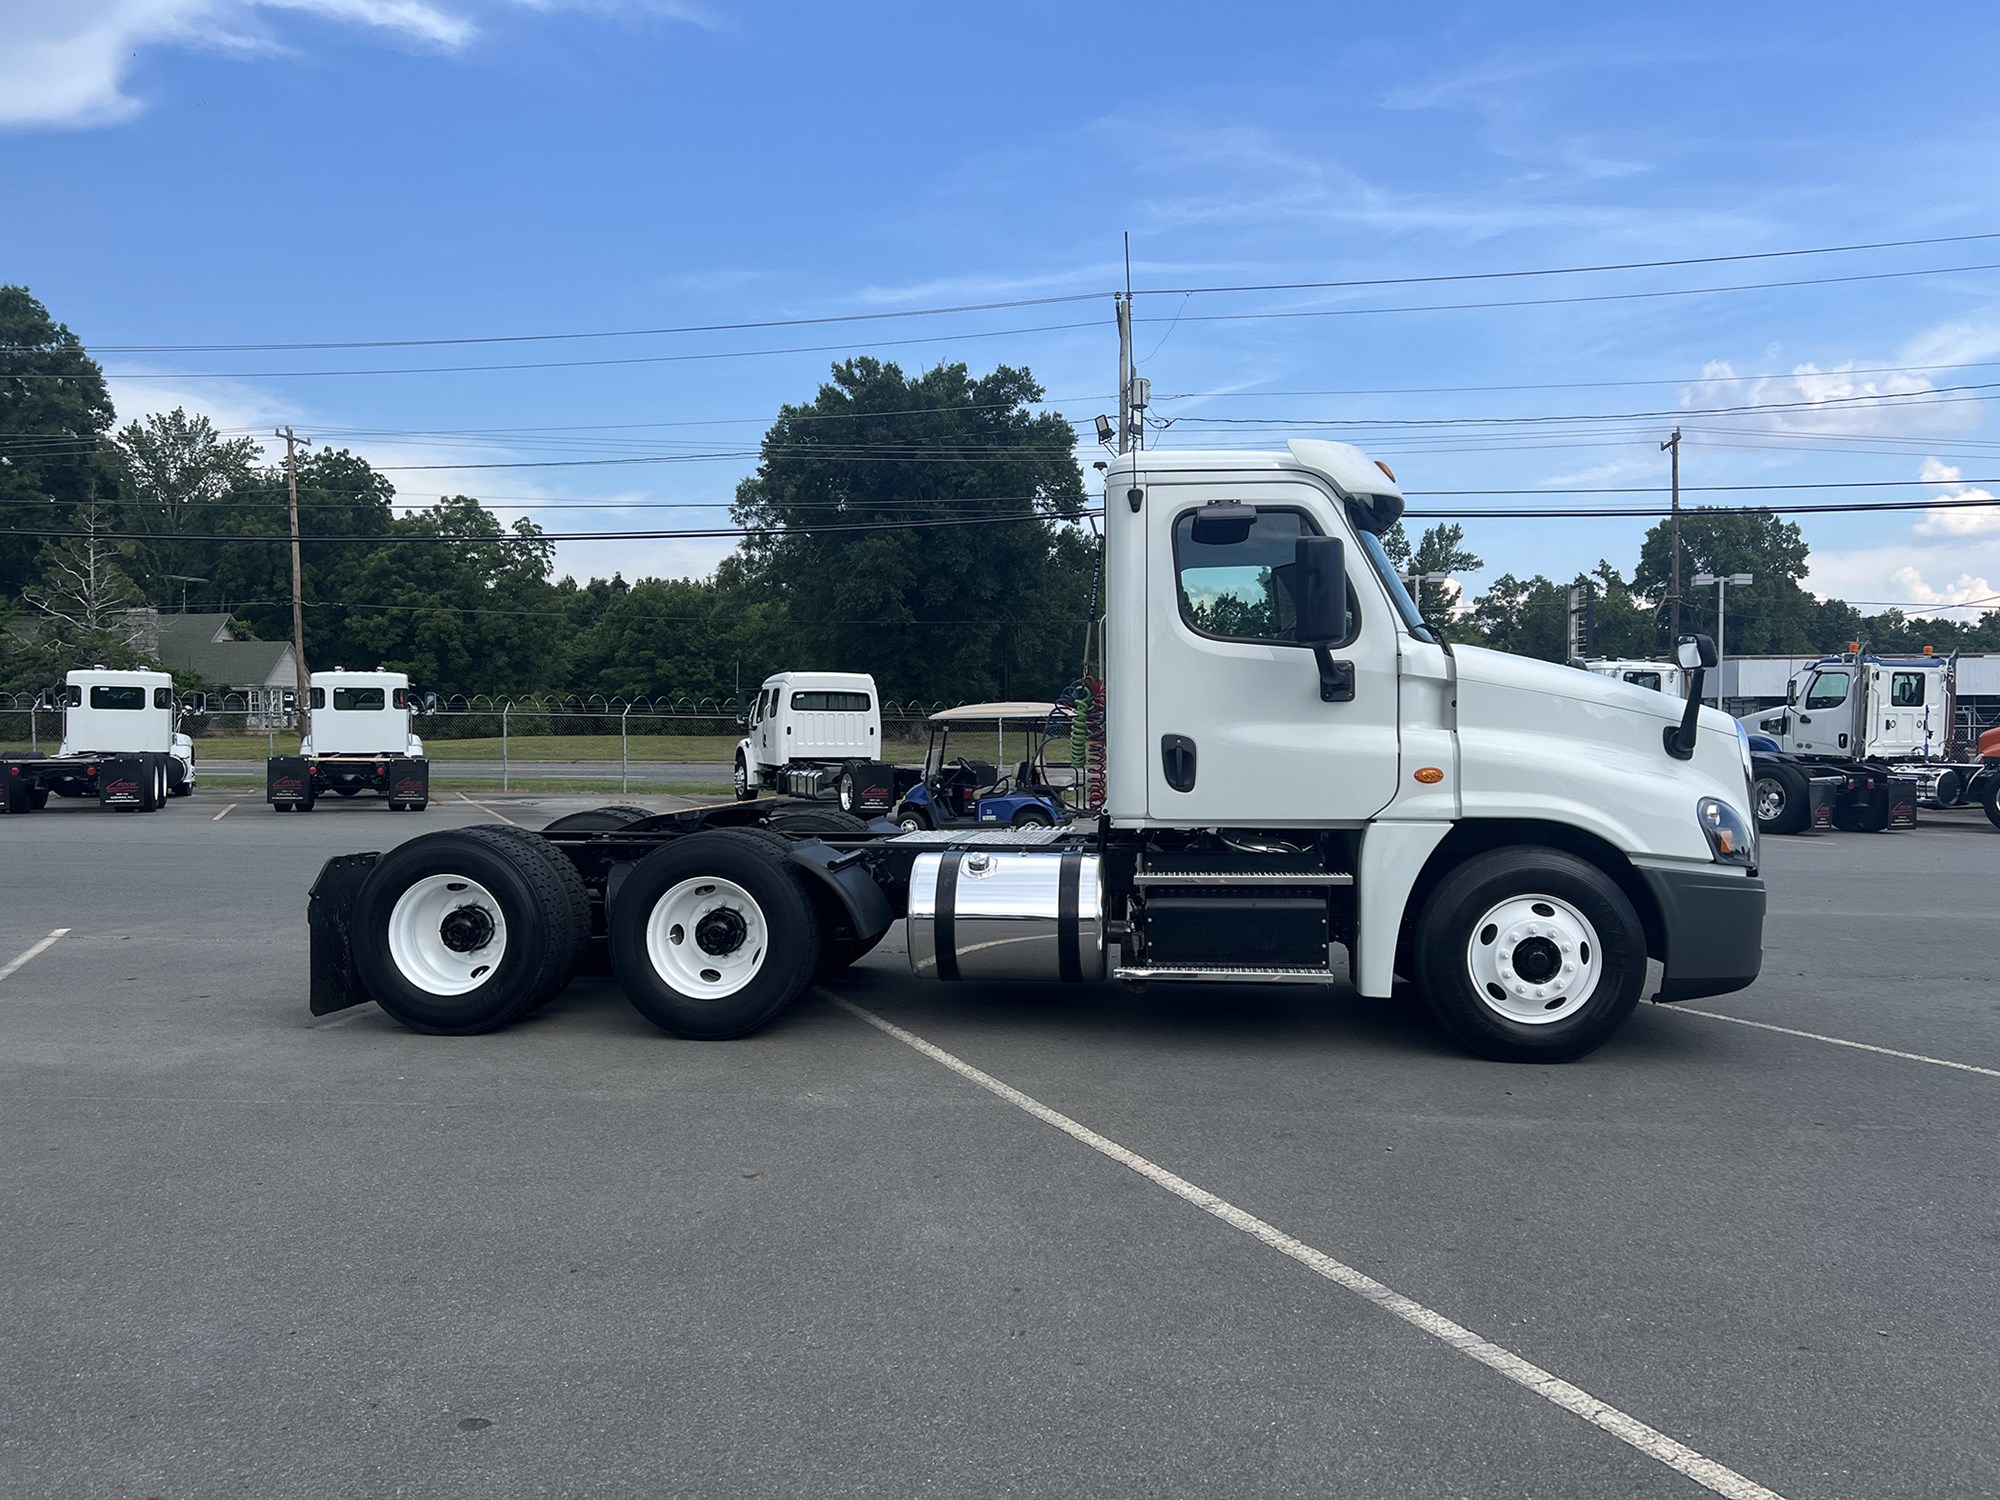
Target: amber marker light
{"points": [[1429, 775]]}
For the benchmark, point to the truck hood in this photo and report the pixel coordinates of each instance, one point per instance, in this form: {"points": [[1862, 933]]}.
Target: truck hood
{"points": [[1588, 750]]}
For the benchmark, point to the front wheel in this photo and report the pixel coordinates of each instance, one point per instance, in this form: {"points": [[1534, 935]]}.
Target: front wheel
{"points": [[1033, 817], [1781, 799], [744, 790], [713, 935], [911, 819], [1989, 798], [1530, 955]]}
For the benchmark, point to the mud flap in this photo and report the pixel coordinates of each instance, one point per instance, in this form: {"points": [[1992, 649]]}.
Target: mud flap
{"points": [[874, 786], [123, 782], [1902, 802], [409, 780], [329, 922], [288, 782], [861, 900], [1825, 792]]}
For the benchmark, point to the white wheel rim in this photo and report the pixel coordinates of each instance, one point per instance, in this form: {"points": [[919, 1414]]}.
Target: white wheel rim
{"points": [[742, 778], [447, 934], [910, 825], [707, 937], [1534, 959]]}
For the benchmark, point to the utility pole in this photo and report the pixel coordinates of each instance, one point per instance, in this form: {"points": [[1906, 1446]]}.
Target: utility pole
{"points": [[292, 439], [1673, 445]]}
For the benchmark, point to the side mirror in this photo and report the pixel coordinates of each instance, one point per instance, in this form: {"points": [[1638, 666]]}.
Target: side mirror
{"points": [[430, 703], [1695, 652], [1223, 523], [742, 711], [288, 701], [1791, 694], [46, 700], [1319, 583], [195, 704]]}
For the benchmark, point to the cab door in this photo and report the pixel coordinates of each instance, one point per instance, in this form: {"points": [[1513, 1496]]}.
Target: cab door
{"points": [[1239, 733], [1821, 720]]}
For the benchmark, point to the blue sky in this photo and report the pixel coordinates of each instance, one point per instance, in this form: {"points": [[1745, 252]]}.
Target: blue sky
{"points": [[271, 171]]}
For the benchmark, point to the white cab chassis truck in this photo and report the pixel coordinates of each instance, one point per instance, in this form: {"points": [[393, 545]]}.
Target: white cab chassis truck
{"points": [[121, 744], [815, 734], [358, 739], [1305, 786], [1883, 726], [1661, 676]]}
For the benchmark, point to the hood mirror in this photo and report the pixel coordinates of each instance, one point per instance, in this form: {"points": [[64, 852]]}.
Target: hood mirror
{"points": [[1695, 652]]}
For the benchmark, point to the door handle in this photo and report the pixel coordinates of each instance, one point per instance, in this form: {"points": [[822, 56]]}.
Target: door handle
{"points": [[1177, 760]]}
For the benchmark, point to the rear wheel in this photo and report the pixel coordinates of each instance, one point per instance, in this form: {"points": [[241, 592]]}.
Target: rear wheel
{"points": [[1989, 797], [815, 820], [38, 799], [713, 935], [847, 789], [461, 931], [910, 819], [1530, 955], [1781, 798]]}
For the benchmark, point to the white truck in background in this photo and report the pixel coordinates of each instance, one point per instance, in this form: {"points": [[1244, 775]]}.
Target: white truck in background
{"points": [[1661, 676], [815, 734], [1304, 785], [1887, 726], [121, 744], [358, 739]]}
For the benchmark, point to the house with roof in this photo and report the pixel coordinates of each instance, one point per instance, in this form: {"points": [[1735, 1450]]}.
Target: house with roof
{"points": [[205, 645]]}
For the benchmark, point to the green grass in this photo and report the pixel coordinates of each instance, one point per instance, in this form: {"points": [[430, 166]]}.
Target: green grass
{"points": [[712, 749]]}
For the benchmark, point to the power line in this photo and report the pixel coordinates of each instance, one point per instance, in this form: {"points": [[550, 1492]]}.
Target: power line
{"points": [[1044, 301]]}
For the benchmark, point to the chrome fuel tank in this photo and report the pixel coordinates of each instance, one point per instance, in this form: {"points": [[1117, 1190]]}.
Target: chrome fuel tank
{"points": [[1034, 915]]}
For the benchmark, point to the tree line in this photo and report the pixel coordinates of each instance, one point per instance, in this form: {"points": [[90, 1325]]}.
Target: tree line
{"points": [[924, 528]]}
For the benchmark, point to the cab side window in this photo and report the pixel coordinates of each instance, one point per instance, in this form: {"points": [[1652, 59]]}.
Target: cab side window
{"points": [[1906, 690], [1241, 589], [1828, 690]]}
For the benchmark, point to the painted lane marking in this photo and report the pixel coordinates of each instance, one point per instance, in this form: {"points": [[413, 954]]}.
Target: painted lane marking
{"points": [[1628, 1429], [494, 811], [1837, 1041], [224, 813], [35, 952]]}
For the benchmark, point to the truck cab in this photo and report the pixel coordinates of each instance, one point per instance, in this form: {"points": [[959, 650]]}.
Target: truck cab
{"points": [[1660, 676], [121, 743], [815, 734], [1857, 707], [359, 738]]}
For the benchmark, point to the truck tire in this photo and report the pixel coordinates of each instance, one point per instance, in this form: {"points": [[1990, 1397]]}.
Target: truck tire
{"points": [[910, 819], [1989, 797], [163, 785], [599, 819], [1781, 798], [20, 796], [463, 930], [713, 934], [836, 953], [1530, 955], [38, 799], [744, 790], [846, 790]]}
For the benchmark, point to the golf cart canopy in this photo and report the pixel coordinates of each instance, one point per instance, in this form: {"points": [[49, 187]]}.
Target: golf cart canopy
{"points": [[986, 713]]}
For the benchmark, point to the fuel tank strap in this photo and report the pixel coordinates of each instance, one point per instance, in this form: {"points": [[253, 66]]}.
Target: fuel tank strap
{"points": [[945, 916], [1069, 888]]}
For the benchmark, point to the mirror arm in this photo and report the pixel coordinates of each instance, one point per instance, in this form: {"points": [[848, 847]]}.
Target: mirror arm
{"points": [[1336, 678], [1680, 737]]}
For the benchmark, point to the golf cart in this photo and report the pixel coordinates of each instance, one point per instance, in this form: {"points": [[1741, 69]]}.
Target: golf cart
{"points": [[959, 792]]}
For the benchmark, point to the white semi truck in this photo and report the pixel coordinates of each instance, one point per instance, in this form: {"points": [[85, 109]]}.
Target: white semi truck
{"points": [[358, 739], [1305, 785], [815, 734], [121, 744], [1886, 726], [1661, 676]]}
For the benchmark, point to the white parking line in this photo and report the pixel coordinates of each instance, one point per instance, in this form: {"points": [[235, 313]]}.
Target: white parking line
{"points": [[485, 809], [224, 813], [1628, 1429], [1838, 1041], [35, 952]]}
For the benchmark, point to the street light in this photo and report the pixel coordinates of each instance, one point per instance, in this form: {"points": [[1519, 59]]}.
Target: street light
{"points": [[1721, 582]]}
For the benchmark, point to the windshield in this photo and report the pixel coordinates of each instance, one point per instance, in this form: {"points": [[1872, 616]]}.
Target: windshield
{"points": [[1378, 558]]}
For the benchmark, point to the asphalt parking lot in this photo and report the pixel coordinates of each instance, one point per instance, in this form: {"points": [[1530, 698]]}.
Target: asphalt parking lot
{"points": [[253, 1253]]}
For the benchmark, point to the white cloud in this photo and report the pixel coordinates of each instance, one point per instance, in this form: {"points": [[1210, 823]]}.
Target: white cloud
{"points": [[1962, 510], [1815, 401], [66, 62]]}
